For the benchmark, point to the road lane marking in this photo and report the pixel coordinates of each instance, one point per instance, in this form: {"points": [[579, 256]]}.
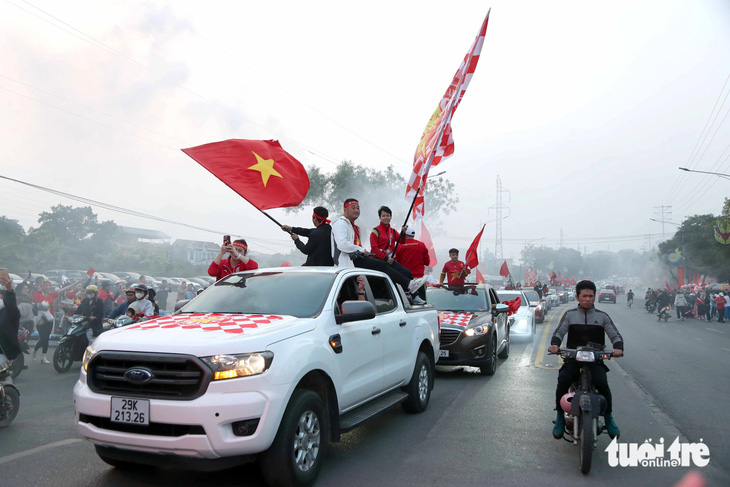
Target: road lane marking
{"points": [[33, 451], [527, 355], [719, 331], [698, 339], [542, 350], [728, 349]]}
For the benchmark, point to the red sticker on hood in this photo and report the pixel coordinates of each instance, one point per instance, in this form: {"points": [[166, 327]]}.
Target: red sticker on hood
{"points": [[458, 319], [208, 322]]}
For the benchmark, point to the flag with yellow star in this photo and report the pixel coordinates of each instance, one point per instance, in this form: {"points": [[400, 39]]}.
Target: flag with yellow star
{"points": [[261, 171]]}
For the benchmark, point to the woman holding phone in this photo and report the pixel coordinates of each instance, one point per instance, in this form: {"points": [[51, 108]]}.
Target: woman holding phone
{"points": [[238, 260]]}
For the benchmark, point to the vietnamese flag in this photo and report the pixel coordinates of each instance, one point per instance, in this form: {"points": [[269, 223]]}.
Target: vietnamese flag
{"points": [[426, 239], [480, 277], [90, 272], [472, 255], [261, 171], [504, 271]]}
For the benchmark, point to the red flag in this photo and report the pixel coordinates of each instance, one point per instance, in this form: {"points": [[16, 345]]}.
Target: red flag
{"points": [[261, 171], [667, 284], [572, 280], [552, 278], [437, 141], [504, 271], [426, 239], [90, 272], [480, 277], [472, 254]]}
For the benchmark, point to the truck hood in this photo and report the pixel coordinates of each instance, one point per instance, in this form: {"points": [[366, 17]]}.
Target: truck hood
{"points": [[204, 334]]}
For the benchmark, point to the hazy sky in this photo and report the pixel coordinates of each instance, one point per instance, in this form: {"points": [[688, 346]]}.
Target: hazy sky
{"points": [[584, 109]]}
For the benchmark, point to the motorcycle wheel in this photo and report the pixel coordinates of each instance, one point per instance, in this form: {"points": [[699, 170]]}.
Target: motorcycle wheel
{"points": [[666, 317], [62, 358], [11, 406], [18, 366], [586, 441]]}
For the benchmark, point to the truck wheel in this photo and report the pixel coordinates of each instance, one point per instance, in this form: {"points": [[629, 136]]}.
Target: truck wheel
{"points": [[419, 388], [491, 367], [297, 453]]}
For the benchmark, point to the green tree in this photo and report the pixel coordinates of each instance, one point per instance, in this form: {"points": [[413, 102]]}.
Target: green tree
{"points": [[13, 251], [374, 188]]}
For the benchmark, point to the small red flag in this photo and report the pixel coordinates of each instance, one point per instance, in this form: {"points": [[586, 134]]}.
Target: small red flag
{"points": [[261, 171], [480, 277], [90, 272], [472, 254], [504, 271], [426, 239]]}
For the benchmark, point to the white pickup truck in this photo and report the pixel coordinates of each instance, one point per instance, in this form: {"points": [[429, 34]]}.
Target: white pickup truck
{"points": [[273, 363]]}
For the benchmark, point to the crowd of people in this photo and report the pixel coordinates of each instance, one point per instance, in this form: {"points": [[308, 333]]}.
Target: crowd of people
{"points": [[705, 304]]}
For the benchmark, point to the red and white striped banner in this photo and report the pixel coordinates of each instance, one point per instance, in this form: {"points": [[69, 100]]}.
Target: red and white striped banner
{"points": [[437, 142], [458, 319]]}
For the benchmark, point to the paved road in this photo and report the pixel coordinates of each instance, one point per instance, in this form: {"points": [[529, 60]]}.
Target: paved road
{"points": [[477, 431]]}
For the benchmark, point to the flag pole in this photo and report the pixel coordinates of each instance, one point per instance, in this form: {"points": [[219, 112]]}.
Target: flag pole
{"points": [[274, 220]]}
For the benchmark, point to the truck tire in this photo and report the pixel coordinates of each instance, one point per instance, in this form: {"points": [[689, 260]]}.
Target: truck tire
{"points": [[300, 446], [419, 388]]}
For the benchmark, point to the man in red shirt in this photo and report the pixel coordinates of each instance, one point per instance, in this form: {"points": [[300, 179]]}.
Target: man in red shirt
{"points": [[237, 262], [413, 255], [454, 269], [720, 300], [383, 239]]}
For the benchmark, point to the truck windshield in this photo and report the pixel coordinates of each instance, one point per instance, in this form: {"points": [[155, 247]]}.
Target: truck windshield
{"points": [[299, 294], [467, 299]]}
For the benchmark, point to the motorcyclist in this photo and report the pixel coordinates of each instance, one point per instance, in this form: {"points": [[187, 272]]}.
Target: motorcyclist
{"points": [[585, 324], [630, 298], [663, 300], [145, 305], [93, 308]]}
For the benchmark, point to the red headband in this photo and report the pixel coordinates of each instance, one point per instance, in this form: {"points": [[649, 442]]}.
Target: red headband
{"points": [[353, 202], [321, 218], [241, 245]]}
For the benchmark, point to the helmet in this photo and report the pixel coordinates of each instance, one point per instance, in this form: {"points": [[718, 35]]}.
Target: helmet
{"points": [[151, 293], [134, 307], [140, 287], [92, 288], [565, 402]]}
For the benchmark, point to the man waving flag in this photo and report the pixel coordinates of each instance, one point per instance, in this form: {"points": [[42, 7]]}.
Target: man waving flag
{"points": [[437, 142]]}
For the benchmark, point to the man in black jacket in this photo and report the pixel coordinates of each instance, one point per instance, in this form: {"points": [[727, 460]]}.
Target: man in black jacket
{"points": [[9, 319], [318, 248], [93, 308]]}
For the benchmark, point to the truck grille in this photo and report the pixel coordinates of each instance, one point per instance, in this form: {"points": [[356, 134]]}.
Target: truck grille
{"points": [[448, 336], [172, 376]]}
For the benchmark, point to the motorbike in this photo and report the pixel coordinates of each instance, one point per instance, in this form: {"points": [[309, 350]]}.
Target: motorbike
{"points": [[18, 365], [9, 394], [664, 313], [650, 307], [72, 344], [583, 405]]}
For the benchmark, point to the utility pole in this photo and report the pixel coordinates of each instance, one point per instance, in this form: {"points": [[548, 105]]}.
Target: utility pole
{"points": [[663, 211], [498, 207]]}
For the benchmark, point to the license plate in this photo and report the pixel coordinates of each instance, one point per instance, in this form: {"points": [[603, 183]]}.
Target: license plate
{"points": [[130, 411], [443, 353]]}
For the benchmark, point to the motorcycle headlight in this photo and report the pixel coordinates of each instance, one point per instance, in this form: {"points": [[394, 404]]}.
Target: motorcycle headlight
{"points": [[75, 319], [477, 330], [233, 366], [583, 356], [88, 355]]}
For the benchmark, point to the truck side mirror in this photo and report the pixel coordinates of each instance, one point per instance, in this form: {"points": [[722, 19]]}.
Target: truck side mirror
{"points": [[180, 304], [355, 311]]}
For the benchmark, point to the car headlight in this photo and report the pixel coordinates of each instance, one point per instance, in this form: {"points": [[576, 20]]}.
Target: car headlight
{"points": [[477, 330], [233, 366], [88, 355]]}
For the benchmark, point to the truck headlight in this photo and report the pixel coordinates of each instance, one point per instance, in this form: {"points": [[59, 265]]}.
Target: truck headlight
{"points": [[477, 330], [233, 366], [88, 355]]}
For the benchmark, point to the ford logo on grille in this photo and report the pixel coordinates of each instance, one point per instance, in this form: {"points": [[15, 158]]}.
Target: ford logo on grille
{"points": [[138, 375]]}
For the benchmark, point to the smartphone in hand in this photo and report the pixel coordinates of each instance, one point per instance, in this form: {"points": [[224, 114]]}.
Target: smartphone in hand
{"points": [[226, 240]]}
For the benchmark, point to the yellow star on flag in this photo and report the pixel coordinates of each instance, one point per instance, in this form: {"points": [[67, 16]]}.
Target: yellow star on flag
{"points": [[265, 167]]}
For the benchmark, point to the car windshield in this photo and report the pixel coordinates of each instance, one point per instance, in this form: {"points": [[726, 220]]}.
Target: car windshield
{"points": [[299, 294], [467, 299], [510, 295], [531, 296]]}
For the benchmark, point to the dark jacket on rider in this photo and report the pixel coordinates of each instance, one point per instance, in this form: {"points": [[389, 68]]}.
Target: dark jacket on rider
{"points": [[586, 325], [95, 308], [9, 323]]}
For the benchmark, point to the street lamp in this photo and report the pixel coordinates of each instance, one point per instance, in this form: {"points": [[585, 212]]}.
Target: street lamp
{"points": [[719, 174], [664, 221]]}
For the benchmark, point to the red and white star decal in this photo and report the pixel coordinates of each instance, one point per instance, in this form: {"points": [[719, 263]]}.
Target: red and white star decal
{"points": [[458, 319], [208, 322]]}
